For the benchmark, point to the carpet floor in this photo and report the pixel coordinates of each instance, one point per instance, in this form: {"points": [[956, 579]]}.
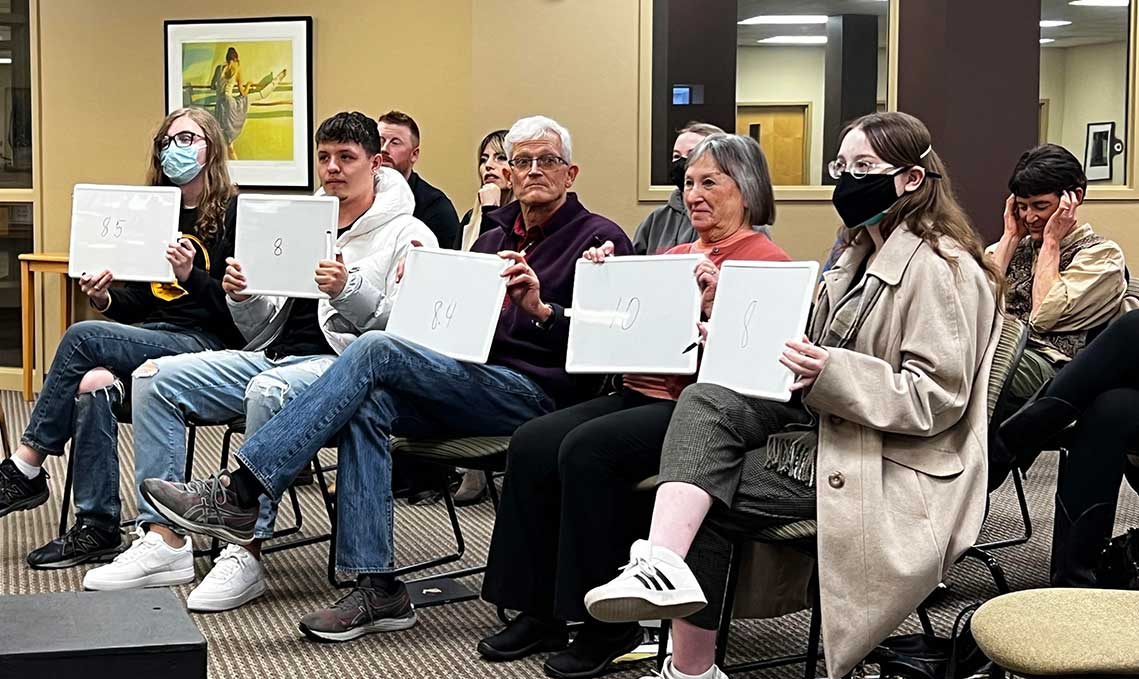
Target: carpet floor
{"points": [[261, 639]]}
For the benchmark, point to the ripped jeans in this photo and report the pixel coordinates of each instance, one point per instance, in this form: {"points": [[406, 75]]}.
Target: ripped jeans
{"points": [[213, 386], [61, 413]]}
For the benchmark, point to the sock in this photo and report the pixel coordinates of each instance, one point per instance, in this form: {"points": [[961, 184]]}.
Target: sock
{"points": [[29, 471], [246, 486], [670, 672], [385, 582]]}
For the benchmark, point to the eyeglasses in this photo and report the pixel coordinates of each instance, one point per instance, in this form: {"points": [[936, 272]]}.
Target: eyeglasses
{"points": [[858, 170], [181, 140], [545, 163]]}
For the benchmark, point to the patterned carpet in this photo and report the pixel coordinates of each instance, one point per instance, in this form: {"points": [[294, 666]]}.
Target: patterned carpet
{"points": [[261, 640]]}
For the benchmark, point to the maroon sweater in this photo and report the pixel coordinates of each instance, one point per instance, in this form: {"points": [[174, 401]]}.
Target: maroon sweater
{"points": [[520, 344]]}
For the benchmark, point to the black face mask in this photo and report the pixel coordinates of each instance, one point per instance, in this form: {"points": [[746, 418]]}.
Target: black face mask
{"points": [[676, 172], [860, 200]]}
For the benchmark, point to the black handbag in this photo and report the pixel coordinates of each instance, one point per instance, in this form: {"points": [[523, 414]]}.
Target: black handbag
{"points": [[1119, 562], [925, 656]]}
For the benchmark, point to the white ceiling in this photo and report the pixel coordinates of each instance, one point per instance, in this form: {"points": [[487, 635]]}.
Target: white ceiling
{"points": [[1090, 25]]}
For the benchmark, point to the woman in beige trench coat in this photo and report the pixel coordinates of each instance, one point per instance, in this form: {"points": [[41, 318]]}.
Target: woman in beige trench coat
{"points": [[890, 418]]}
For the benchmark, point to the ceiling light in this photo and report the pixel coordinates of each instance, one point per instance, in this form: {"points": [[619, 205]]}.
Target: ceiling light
{"points": [[1054, 23], [1100, 3], [1045, 41], [794, 40], [784, 19]]}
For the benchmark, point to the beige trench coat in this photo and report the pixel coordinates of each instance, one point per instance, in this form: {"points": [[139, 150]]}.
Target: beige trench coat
{"points": [[903, 447]]}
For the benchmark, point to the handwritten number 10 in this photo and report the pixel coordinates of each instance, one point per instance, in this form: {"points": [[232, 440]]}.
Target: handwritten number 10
{"points": [[629, 314]]}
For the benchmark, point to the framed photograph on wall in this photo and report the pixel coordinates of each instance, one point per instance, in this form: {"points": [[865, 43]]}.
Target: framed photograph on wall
{"points": [[1099, 151], [255, 77]]}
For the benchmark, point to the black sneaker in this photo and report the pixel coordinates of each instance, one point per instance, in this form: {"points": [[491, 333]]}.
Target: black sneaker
{"points": [[594, 649], [206, 506], [84, 542], [525, 635], [18, 492], [364, 610]]}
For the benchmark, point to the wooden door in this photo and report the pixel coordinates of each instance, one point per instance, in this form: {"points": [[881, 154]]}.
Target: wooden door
{"points": [[782, 134]]}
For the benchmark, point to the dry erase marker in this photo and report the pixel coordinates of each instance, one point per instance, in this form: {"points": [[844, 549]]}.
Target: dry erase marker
{"points": [[693, 346]]}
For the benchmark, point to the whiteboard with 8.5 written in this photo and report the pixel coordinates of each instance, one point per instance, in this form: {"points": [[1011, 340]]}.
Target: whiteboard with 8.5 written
{"points": [[450, 302], [281, 239], [759, 307], [634, 314], [124, 230]]}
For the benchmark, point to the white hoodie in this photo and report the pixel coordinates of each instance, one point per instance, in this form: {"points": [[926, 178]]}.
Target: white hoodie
{"points": [[371, 250]]}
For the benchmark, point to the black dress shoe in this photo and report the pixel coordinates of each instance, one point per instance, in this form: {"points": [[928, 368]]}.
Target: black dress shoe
{"points": [[525, 635], [84, 542], [594, 649]]}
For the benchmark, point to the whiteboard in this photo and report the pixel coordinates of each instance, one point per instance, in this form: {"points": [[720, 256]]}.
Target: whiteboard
{"points": [[124, 230], [450, 302], [280, 240], [634, 314], [759, 307]]}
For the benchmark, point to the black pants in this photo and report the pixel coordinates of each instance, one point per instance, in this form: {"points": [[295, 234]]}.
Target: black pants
{"points": [[568, 511]]}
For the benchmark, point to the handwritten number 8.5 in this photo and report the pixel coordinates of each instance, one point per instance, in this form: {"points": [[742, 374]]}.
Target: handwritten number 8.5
{"points": [[113, 227], [278, 248]]}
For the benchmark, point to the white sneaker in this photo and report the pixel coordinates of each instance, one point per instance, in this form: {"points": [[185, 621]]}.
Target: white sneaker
{"points": [[669, 673], [656, 584], [148, 562], [236, 579]]}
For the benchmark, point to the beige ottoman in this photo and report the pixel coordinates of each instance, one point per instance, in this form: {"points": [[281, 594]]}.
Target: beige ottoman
{"points": [[1061, 632]]}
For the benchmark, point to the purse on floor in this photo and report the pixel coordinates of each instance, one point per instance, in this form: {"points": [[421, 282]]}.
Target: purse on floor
{"points": [[925, 656], [1119, 562]]}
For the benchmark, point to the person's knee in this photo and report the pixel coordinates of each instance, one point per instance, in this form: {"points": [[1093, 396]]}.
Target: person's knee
{"points": [[702, 397], [531, 450], [154, 377], [1127, 326], [267, 393], [95, 380], [585, 453]]}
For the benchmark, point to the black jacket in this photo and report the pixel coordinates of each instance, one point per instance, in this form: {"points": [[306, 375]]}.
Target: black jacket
{"points": [[434, 208]]}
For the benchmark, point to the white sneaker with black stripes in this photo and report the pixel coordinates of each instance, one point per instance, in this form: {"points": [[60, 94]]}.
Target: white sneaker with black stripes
{"points": [[656, 584]]}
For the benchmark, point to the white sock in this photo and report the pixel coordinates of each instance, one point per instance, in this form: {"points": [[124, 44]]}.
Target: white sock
{"points": [[26, 469], [671, 672]]}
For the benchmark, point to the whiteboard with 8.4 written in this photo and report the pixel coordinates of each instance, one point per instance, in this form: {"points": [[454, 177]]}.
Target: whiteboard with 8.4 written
{"points": [[759, 307], [281, 239], [124, 230], [450, 302], [634, 314]]}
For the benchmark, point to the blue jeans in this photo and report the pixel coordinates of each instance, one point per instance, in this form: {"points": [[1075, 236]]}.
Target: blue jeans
{"points": [[382, 385], [88, 420], [215, 386]]}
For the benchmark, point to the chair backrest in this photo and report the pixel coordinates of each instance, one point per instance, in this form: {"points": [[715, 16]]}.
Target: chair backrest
{"points": [[1010, 349]]}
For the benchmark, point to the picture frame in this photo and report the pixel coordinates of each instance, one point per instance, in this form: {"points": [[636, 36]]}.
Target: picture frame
{"points": [[1100, 149], [255, 76]]}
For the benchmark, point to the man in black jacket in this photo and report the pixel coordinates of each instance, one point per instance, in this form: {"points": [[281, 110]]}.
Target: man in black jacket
{"points": [[399, 139]]}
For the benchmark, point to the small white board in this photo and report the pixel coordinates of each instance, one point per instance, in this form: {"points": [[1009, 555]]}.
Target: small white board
{"points": [[124, 230], [280, 240], [759, 307], [634, 315], [450, 302]]}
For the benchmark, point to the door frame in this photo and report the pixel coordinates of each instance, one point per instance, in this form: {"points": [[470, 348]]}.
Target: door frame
{"points": [[807, 123]]}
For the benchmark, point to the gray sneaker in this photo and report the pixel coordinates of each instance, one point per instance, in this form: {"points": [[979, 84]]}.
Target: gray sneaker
{"points": [[364, 610], [205, 506]]}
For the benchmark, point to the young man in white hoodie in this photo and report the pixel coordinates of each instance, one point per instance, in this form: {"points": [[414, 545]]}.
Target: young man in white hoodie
{"points": [[291, 343]]}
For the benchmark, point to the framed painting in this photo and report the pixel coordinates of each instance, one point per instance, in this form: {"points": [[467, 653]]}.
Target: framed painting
{"points": [[255, 77]]}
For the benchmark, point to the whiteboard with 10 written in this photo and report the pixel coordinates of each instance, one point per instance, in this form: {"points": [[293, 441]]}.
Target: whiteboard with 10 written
{"points": [[450, 301], [281, 239], [634, 314], [759, 307], [124, 230]]}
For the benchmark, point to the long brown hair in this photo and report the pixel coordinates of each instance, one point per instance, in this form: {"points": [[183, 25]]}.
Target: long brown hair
{"points": [[217, 188], [931, 212]]}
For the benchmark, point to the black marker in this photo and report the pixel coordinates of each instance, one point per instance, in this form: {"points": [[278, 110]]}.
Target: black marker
{"points": [[693, 346]]}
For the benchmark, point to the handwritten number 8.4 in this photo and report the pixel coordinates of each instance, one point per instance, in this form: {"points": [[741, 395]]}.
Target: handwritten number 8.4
{"points": [[278, 247], [112, 227], [448, 314]]}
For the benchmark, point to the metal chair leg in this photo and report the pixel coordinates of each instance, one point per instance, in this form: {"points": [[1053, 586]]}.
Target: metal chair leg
{"points": [[65, 506], [724, 629], [816, 627], [662, 644]]}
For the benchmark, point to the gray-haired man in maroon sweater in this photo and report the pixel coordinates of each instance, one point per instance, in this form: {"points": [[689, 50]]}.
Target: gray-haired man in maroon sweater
{"points": [[382, 385]]}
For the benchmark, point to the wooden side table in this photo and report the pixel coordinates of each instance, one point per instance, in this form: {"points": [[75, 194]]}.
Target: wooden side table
{"points": [[30, 264]]}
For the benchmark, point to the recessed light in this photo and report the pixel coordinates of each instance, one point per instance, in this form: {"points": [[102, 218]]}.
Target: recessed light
{"points": [[1045, 41], [1100, 3], [1054, 23], [794, 40], [784, 19]]}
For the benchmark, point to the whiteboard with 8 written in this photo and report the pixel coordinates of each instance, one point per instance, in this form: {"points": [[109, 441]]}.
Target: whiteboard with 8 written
{"points": [[124, 230], [281, 239], [759, 307]]}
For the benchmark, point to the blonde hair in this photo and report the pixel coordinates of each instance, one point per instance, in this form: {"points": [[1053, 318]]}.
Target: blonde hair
{"points": [[217, 187], [471, 232]]}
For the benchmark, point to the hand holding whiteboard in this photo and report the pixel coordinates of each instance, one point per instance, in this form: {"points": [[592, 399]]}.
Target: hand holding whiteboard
{"points": [[759, 307], [124, 230], [280, 240], [450, 302], [634, 314]]}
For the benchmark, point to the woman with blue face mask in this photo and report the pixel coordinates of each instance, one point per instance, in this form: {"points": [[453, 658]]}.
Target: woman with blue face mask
{"points": [[85, 386]]}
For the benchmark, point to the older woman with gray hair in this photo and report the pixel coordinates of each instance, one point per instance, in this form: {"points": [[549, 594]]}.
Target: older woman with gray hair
{"points": [[568, 510]]}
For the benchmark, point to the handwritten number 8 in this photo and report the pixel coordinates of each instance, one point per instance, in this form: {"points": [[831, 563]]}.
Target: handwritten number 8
{"points": [[749, 313], [278, 247]]}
